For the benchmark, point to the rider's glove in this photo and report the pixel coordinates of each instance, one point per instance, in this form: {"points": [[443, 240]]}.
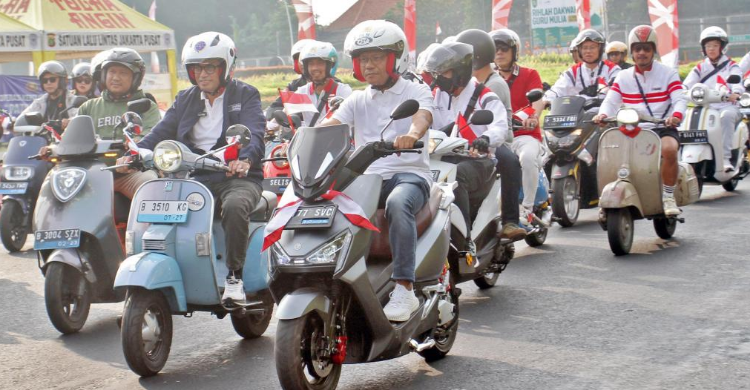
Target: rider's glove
{"points": [[481, 144]]}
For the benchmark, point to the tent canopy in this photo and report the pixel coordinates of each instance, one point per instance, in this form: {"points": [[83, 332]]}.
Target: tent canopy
{"points": [[17, 40]]}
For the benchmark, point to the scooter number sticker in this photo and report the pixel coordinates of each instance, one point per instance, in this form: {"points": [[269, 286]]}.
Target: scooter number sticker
{"points": [[161, 211], [277, 185], [55, 239], [10, 188], [694, 137]]}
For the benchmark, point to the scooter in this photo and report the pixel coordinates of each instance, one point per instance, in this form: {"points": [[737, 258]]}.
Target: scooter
{"points": [[276, 176], [23, 178], [630, 181], [492, 255], [572, 164], [331, 275], [702, 139], [176, 248]]}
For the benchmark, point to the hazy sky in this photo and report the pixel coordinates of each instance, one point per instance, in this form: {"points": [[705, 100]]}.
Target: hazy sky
{"points": [[328, 10]]}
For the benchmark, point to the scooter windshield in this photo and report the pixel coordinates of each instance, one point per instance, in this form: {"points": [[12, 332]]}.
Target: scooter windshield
{"points": [[314, 151], [79, 138], [568, 105]]}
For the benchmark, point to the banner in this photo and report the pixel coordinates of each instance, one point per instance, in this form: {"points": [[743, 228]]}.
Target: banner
{"points": [[305, 18], [663, 15], [410, 28], [583, 14], [19, 42], [554, 23], [17, 93], [500, 13]]}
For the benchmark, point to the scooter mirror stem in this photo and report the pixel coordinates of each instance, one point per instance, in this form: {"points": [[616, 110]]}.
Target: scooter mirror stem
{"points": [[383, 131], [216, 151]]}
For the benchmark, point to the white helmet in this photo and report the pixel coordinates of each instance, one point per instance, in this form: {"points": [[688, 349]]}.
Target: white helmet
{"points": [[714, 32], [296, 50], [449, 39], [210, 45], [378, 35], [322, 50]]}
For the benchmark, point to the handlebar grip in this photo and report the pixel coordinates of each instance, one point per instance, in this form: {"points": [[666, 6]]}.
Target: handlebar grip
{"points": [[418, 145], [389, 145]]}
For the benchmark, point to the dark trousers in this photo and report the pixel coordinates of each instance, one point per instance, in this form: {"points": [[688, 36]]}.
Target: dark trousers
{"points": [[475, 178], [238, 198], [510, 185]]}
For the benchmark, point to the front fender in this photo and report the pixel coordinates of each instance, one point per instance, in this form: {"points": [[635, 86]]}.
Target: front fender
{"points": [[72, 258], [565, 170], [620, 194], [300, 302], [154, 271]]}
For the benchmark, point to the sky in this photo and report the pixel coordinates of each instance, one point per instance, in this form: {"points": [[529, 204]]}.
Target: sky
{"points": [[328, 10]]}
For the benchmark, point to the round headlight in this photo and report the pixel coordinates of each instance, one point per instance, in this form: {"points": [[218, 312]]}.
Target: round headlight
{"points": [[167, 156], [745, 100], [697, 94], [280, 151]]}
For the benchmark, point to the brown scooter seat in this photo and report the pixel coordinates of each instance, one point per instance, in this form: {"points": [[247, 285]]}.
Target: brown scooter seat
{"points": [[381, 247]]}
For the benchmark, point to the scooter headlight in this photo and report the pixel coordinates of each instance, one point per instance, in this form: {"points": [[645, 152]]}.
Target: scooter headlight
{"points": [[628, 116], [433, 144], [698, 93], [18, 173], [167, 156], [277, 253], [745, 100], [67, 182], [330, 252]]}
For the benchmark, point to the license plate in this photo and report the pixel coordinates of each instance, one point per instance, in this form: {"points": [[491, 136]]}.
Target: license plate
{"points": [[560, 121], [277, 185], [694, 137], [56, 239], [11, 188], [163, 211], [308, 217]]}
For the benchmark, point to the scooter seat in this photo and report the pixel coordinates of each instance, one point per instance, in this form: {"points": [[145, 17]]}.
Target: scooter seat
{"points": [[381, 247], [266, 204]]}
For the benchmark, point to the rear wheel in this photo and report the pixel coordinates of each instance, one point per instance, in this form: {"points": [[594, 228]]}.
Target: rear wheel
{"points": [[146, 331], [732, 184], [12, 230], [67, 296], [299, 363], [620, 231], [503, 255], [538, 238], [665, 227], [566, 202]]}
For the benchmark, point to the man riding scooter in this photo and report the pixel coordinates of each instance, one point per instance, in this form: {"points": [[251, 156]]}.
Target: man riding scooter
{"points": [[654, 89], [714, 71], [319, 61], [379, 56], [54, 104], [199, 119]]}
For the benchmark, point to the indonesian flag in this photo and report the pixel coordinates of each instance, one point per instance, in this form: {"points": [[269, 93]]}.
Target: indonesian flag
{"points": [[500, 13], [54, 133], [523, 114], [583, 14], [464, 130], [410, 28], [132, 145], [663, 15], [154, 55], [306, 18], [231, 153], [602, 85], [284, 213], [295, 102], [438, 30], [721, 84]]}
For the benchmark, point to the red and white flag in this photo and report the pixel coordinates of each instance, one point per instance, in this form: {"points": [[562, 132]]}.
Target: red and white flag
{"points": [[664, 19], [500, 13], [351, 210], [583, 14], [438, 30], [154, 55], [523, 114], [305, 18], [721, 84], [295, 103], [464, 129], [410, 28]]}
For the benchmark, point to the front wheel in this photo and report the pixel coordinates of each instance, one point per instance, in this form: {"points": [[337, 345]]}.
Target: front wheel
{"points": [[446, 332], [67, 295], [620, 231], [251, 326], [566, 202], [12, 230], [146, 331], [299, 362], [665, 227], [731, 185]]}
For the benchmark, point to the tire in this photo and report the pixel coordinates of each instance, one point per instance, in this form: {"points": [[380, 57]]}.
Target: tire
{"points": [[294, 359], [67, 296], [503, 255], [700, 187], [146, 313], [620, 231], [665, 227], [537, 239], [447, 332], [12, 230], [252, 326], [728, 186], [566, 201]]}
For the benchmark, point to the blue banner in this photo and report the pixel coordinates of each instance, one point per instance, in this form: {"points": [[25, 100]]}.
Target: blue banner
{"points": [[17, 93]]}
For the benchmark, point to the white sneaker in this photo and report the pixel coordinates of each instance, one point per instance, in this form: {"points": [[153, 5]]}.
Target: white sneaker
{"points": [[728, 167], [402, 304], [670, 207], [234, 291]]}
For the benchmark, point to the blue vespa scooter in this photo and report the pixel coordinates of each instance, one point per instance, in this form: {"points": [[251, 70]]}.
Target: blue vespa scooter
{"points": [[176, 262]]}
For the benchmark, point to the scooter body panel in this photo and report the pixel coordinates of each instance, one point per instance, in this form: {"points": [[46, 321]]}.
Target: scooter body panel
{"points": [[72, 258], [154, 271], [621, 194], [302, 301]]}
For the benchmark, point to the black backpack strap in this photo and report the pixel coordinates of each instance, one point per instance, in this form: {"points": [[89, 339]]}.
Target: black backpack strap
{"points": [[715, 71], [473, 101]]}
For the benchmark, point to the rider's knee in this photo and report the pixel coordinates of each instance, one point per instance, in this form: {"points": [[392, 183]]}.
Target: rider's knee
{"points": [[669, 147]]}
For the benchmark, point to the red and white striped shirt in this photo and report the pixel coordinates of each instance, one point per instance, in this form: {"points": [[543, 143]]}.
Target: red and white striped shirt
{"points": [[661, 87]]}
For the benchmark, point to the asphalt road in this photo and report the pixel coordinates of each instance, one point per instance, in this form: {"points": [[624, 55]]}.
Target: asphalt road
{"points": [[568, 315]]}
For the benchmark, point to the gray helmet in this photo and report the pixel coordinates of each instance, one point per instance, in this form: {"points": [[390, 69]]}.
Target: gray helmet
{"points": [[82, 69], [454, 56], [593, 36], [128, 58], [484, 46], [508, 38], [56, 68]]}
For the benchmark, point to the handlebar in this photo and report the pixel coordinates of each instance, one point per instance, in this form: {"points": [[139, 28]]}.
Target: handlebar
{"points": [[388, 145]]}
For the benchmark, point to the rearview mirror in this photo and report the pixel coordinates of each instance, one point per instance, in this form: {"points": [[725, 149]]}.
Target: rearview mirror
{"points": [[238, 133], [734, 79], [139, 106], [481, 117], [30, 119], [534, 96], [281, 118], [78, 101], [405, 109]]}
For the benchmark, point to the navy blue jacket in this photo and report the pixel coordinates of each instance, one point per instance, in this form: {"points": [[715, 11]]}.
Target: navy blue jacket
{"points": [[241, 106]]}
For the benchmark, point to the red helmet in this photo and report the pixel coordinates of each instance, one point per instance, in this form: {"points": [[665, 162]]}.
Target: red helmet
{"points": [[642, 34]]}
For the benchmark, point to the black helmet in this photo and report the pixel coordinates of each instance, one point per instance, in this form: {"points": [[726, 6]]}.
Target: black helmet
{"points": [[454, 56], [508, 38], [593, 36], [128, 58], [56, 68], [484, 46]]}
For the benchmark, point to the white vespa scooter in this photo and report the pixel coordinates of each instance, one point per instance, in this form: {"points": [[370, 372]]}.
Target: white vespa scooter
{"points": [[702, 140], [629, 177]]}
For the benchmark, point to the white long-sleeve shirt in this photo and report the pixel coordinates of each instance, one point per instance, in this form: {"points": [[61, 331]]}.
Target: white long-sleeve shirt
{"points": [[661, 85], [578, 77], [336, 89], [447, 108], [745, 64], [705, 67]]}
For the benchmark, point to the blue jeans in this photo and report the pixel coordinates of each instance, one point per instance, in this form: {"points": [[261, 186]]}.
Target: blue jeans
{"points": [[403, 195]]}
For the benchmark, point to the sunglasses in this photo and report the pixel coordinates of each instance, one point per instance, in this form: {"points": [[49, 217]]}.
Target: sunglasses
{"points": [[644, 47], [83, 81], [49, 80], [503, 48]]}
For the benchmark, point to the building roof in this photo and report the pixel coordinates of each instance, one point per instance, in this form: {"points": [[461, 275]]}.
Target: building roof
{"points": [[361, 11]]}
